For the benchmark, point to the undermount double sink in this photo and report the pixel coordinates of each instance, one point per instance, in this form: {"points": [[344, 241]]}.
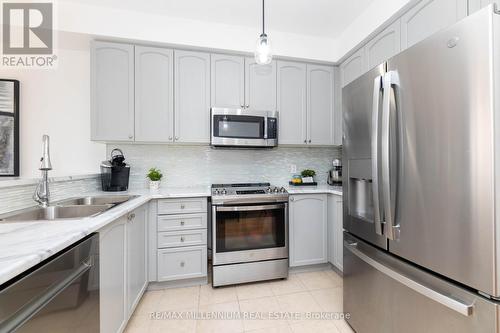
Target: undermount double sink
{"points": [[72, 208]]}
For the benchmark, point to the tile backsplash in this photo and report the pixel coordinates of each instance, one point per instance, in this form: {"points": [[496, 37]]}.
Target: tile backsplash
{"points": [[203, 165]]}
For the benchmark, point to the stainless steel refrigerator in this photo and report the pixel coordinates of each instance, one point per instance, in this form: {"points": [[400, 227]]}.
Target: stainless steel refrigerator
{"points": [[421, 157]]}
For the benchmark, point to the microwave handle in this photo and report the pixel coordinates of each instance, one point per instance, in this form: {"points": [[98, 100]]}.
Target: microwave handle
{"points": [[265, 127]]}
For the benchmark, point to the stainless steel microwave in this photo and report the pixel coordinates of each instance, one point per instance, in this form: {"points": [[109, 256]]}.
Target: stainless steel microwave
{"points": [[243, 128]]}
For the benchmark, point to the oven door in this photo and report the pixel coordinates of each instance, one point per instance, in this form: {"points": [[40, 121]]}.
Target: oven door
{"points": [[249, 233]]}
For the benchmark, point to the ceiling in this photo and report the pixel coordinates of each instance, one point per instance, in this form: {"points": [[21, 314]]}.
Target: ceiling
{"points": [[324, 18]]}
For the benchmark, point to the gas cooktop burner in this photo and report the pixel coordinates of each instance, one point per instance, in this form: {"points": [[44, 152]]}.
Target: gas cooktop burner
{"points": [[248, 192]]}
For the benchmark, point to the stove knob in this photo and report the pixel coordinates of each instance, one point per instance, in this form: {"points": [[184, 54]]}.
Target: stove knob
{"points": [[216, 192], [269, 190], [276, 190], [224, 192], [282, 190]]}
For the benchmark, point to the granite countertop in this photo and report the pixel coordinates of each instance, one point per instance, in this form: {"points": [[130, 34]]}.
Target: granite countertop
{"points": [[26, 244]]}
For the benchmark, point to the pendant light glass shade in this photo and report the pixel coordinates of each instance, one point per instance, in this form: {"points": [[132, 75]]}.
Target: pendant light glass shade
{"points": [[263, 55]]}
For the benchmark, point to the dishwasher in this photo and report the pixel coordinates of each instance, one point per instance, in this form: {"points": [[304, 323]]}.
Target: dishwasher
{"points": [[61, 294]]}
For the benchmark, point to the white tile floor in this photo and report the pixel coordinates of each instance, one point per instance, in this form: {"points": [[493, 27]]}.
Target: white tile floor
{"points": [[301, 293]]}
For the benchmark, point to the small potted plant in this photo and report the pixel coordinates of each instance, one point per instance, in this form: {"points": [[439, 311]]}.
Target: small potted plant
{"points": [[308, 176], [154, 175]]}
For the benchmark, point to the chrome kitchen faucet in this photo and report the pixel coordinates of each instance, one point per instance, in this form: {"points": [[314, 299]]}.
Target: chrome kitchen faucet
{"points": [[42, 193]]}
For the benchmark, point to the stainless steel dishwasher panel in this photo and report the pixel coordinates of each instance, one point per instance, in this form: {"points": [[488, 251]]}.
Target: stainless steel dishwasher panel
{"points": [[60, 294]]}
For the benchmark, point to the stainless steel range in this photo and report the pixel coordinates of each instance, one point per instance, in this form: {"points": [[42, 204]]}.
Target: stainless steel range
{"points": [[249, 233]]}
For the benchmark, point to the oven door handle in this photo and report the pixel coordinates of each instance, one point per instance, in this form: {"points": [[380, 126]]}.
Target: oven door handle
{"points": [[248, 208]]}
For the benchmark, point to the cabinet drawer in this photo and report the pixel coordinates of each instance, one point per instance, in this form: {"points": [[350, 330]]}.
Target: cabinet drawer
{"points": [[182, 238], [182, 263], [182, 222], [182, 205]]}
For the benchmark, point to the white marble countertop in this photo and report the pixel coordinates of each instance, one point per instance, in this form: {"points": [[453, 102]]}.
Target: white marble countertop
{"points": [[25, 244], [320, 189]]}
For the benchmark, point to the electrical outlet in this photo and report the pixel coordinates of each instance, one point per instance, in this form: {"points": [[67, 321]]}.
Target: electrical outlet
{"points": [[293, 168]]}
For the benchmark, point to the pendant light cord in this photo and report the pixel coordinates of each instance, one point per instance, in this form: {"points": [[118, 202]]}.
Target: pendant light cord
{"points": [[263, 31]]}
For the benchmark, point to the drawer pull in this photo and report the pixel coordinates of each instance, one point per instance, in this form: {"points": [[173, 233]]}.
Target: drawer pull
{"points": [[183, 264], [183, 206], [182, 222], [182, 239]]}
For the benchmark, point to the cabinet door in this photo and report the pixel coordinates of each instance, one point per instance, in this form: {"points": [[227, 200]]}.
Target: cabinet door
{"points": [[112, 277], [353, 67], [338, 230], [112, 91], [154, 94], [292, 103], [260, 85], [475, 5], [136, 257], [337, 110], [227, 81], [308, 229], [383, 46], [192, 97], [320, 105], [428, 17]]}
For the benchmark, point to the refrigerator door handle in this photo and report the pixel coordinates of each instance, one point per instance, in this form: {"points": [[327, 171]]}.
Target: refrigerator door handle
{"points": [[388, 189], [451, 303], [377, 89]]}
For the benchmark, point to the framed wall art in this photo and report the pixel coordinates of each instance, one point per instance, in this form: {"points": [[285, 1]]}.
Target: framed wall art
{"points": [[9, 128]]}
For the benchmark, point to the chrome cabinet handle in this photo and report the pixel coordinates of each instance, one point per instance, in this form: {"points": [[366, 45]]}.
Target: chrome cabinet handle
{"points": [[292, 199], [305, 141], [183, 206], [182, 264], [130, 136], [309, 140], [182, 239], [182, 222], [377, 89], [131, 217], [176, 138], [247, 106], [169, 138], [451, 303]]}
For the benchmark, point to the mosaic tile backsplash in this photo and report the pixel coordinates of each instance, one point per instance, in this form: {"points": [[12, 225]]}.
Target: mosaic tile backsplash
{"points": [[202, 165]]}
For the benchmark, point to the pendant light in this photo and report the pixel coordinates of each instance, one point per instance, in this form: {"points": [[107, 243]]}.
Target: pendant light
{"points": [[263, 54]]}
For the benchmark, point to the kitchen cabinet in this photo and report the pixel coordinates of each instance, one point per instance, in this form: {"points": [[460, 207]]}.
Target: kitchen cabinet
{"points": [[428, 17], [112, 252], [337, 110], [475, 5], [292, 102], [123, 268], [112, 91], [136, 256], [385, 45], [260, 85], [335, 231], [320, 88], [353, 67], [192, 97], [308, 229], [227, 81], [154, 112]]}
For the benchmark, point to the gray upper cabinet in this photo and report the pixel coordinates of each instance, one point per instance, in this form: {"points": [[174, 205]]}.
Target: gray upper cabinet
{"points": [[353, 67], [153, 94], [227, 81], [292, 102], [320, 103], [385, 45], [112, 91], [428, 17], [475, 5], [260, 85], [192, 97]]}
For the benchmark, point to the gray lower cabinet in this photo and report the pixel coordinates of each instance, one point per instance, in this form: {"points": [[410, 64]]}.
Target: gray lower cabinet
{"points": [[260, 85], [320, 103], [227, 81], [428, 17], [192, 97], [335, 231], [292, 102], [112, 91], [475, 5], [308, 229], [154, 90], [385, 45], [123, 267], [181, 239]]}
